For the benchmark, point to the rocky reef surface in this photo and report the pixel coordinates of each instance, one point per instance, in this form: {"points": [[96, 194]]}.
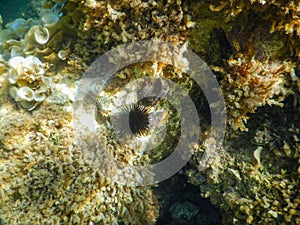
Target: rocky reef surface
{"points": [[253, 48], [255, 54]]}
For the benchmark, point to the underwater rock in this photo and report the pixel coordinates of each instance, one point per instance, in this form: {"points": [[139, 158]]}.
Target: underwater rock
{"points": [[41, 165], [257, 184], [283, 14], [275, 17], [254, 177], [40, 168], [183, 211], [118, 22]]}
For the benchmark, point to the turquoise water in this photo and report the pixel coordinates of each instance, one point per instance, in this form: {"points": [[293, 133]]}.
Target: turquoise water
{"points": [[13, 9]]}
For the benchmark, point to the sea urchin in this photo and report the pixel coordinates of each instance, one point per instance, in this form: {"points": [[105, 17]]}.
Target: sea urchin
{"points": [[132, 120]]}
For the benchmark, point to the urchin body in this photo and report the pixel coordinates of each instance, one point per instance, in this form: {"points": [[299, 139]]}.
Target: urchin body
{"points": [[133, 120]]}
